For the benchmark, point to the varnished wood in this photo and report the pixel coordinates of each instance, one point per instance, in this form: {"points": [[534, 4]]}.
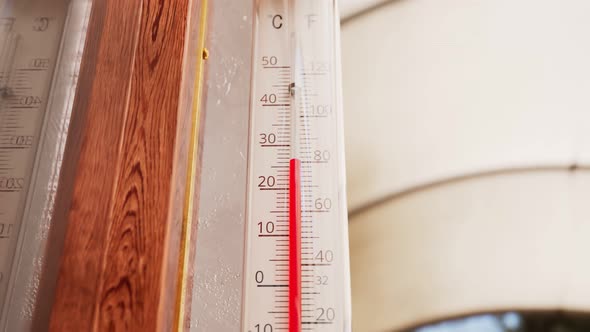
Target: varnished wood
{"points": [[121, 248]]}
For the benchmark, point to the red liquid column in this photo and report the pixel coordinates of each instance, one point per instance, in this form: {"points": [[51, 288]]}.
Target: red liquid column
{"points": [[295, 245]]}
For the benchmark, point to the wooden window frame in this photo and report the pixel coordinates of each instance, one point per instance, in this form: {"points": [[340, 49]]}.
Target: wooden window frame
{"points": [[125, 197]]}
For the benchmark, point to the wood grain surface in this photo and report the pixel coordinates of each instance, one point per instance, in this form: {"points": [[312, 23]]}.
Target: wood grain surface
{"points": [[126, 164]]}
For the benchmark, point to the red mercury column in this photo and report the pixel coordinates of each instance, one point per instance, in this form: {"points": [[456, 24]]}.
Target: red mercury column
{"points": [[295, 245]]}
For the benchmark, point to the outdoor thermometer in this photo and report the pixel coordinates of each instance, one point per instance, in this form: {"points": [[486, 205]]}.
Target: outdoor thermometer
{"points": [[296, 268], [40, 50]]}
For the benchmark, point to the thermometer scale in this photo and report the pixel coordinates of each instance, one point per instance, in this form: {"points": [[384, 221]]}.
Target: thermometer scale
{"points": [[296, 267]]}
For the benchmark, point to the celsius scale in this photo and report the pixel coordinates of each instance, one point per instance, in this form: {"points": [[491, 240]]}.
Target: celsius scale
{"points": [[295, 270]]}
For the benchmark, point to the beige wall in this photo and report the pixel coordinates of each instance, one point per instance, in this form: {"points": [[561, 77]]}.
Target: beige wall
{"points": [[488, 90]]}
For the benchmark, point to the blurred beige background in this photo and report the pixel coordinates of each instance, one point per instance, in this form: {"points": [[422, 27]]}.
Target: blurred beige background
{"points": [[468, 146]]}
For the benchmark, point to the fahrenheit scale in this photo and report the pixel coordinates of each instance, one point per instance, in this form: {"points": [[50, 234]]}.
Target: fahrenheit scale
{"points": [[296, 267]]}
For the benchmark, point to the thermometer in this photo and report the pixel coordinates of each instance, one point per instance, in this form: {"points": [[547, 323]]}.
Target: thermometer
{"points": [[296, 271], [40, 50]]}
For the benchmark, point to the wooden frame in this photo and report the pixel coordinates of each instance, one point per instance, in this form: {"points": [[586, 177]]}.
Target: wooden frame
{"points": [[131, 154]]}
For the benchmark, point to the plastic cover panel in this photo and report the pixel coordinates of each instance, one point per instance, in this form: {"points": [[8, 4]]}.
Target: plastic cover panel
{"points": [[217, 292]]}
